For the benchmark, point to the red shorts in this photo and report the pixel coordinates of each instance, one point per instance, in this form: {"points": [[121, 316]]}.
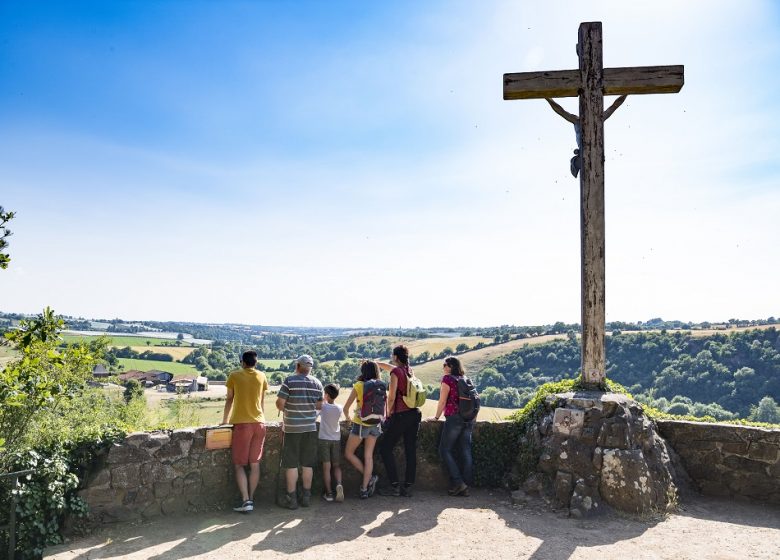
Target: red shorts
{"points": [[248, 440]]}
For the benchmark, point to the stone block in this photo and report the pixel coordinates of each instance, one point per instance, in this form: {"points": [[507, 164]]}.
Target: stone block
{"points": [[628, 484], [737, 463], [120, 454], [568, 421], [154, 471], [534, 484], [126, 476], [614, 434], [735, 448], [762, 452], [162, 489], [155, 442], [176, 503], [585, 500], [563, 485], [101, 480], [136, 438]]}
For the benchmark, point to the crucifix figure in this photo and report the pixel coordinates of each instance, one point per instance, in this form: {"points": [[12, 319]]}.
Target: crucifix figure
{"points": [[591, 82]]}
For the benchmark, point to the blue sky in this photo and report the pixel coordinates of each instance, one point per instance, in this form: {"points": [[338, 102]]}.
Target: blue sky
{"points": [[353, 163]]}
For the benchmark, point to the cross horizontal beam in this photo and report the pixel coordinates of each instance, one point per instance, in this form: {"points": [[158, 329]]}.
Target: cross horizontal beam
{"points": [[617, 81]]}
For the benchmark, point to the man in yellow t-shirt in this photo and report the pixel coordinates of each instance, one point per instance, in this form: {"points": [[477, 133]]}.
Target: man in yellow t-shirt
{"points": [[246, 389]]}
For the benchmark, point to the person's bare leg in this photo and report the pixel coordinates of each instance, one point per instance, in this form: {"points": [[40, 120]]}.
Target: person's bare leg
{"points": [[241, 481], [349, 452], [254, 479], [326, 477], [368, 460], [291, 478], [308, 475]]}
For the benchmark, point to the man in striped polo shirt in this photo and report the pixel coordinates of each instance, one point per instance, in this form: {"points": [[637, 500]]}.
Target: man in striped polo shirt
{"points": [[300, 397]]}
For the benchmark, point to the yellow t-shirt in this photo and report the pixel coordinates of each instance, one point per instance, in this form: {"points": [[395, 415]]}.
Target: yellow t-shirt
{"points": [[249, 386], [358, 387]]}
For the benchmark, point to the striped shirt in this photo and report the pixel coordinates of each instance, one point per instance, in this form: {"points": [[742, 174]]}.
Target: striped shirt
{"points": [[302, 393]]}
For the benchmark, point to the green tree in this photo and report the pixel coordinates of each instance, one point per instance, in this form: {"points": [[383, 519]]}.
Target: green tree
{"points": [[767, 410], [5, 217], [133, 390]]}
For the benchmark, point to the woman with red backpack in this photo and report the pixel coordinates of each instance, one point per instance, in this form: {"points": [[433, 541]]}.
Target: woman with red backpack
{"points": [[457, 430], [402, 422], [370, 394]]}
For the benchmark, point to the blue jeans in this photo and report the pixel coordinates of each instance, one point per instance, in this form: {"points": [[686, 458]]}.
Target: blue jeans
{"points": [[456, 435]]}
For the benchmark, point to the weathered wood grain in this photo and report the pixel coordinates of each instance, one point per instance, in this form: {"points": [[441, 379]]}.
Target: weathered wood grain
{"points": [[637, 80], [592, 202]]}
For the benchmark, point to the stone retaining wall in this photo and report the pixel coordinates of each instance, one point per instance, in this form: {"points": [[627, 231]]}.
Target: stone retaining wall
{"points": [[728, 460], [163, 473]]}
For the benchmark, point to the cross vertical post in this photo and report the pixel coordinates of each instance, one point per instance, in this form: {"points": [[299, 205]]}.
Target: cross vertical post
{"points": [[590, 83], [589, 50]]}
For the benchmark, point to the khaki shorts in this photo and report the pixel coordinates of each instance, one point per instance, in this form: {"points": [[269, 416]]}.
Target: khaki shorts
{"points": [[329, 451], [300, 450]]}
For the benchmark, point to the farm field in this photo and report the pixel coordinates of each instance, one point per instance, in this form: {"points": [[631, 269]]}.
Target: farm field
{"points": [[6, 355], [475, 360], [434, 345], [146, 365], [177, 353], [122, 341], [274, 364]]}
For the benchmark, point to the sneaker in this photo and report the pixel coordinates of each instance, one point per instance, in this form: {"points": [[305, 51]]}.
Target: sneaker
{"points": [[306, 498], [372, 484], [459, 490], [290, 500], [406, 490], [339, 493], [246, 507], [392, 490], [327, 496], [363, 493]]}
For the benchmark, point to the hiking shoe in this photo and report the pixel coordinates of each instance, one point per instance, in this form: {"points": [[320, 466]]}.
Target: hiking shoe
{"points": [[372, 484], [246, 507], [290, 500], [306, 498], [328, 497], [392, 490], [459, 490], [339, 493], [406, 490], [363, 494]]}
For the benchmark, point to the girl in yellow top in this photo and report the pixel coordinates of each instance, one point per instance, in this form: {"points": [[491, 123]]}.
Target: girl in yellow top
{"points": [[362, 432]]}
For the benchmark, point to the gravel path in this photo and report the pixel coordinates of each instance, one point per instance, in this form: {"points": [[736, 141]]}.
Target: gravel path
{"points": [[432, 526]]}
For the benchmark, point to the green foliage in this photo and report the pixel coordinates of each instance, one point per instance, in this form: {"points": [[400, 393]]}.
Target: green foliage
{"points": [[723, 375], [767, 410], [53, 422], [133, 390], [44, 498], [5, 217], [41, 380]]}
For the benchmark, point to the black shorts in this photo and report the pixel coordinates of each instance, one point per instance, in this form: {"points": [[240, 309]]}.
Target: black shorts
{"points": [[300, 450]]}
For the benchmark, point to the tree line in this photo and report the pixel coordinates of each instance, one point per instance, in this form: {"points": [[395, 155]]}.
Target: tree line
{"points": [[722, 375]]}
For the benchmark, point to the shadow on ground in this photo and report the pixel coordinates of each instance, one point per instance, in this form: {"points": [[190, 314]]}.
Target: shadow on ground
{"points": [[435, 525]]}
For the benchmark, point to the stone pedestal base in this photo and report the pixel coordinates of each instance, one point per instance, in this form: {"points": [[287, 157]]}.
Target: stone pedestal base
{"points": [[599, 449]]}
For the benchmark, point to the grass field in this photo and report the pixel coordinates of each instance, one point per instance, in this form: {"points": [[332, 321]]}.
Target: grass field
{"points": [[177, 353], [273, 364], [433, 345], [7, 354], [146, 365], [122, 341], [475, 360]]}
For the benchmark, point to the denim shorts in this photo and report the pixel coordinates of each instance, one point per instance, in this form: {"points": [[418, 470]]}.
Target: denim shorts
{"points": [[365, 431]]}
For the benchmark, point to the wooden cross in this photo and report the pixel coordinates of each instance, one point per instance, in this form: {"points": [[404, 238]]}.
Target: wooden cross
{"points": [[591, 83]]}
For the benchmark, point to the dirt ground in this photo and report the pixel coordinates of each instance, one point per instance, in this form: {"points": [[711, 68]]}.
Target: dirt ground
{"points": [[435, 526]]}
